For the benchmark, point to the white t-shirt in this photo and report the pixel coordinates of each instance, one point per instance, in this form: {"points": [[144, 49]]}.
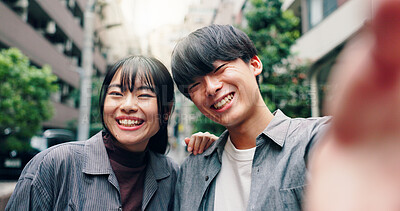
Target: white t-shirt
{"points": [[234, 179]]}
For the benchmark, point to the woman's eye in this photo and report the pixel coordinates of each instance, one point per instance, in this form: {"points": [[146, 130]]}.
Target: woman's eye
{"points": [[146, 95], [115, 93]]}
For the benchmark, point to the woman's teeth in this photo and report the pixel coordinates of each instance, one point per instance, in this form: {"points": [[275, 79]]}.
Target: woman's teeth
{"points": [[223, 102], [128, 122]]}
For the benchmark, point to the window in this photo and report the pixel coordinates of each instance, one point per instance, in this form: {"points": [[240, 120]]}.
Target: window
{"points": [[320, 9]]}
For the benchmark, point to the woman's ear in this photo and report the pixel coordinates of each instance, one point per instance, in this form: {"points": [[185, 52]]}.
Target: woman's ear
{"points": [[168, 113], [256, 65]]}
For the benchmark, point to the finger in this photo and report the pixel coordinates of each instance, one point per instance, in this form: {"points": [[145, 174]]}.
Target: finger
{"points": [[190, 145], [386, 28], [197, 142], [209, 142], [203, 144], [187, 141]]}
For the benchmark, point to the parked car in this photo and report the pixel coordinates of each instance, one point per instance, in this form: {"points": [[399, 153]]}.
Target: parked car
{"points": [[12, 161]]}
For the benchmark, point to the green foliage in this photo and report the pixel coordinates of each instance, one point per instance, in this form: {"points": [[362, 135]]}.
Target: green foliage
{"points": [[283, 81], [24, 95], [272, 30], [288, 91], [204, 124]]}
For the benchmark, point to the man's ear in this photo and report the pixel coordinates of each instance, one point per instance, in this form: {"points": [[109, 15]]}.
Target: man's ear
{"points": [[256, 65]]}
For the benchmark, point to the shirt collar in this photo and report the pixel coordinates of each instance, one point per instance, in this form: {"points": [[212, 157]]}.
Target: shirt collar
{"points": [[276, 130], [97, 161], [278, 127], [218, 145], [96, 158], [157, 166]]}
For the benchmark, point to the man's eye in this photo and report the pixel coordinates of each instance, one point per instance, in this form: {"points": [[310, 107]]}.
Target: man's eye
{"points": [[193, 86]]}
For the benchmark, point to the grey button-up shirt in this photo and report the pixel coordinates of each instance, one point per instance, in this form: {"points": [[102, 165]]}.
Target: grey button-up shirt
{"points": [[278, 170], [78, 176]]}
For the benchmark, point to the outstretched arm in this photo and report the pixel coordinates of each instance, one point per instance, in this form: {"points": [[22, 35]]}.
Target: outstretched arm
{"points": [[357, 164]]}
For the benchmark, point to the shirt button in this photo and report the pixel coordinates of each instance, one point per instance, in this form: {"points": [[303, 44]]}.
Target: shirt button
{"points": [[207, 178]]}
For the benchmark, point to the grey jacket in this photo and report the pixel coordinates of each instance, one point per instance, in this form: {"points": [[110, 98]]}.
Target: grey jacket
{"points": [[78, 176], [278, 171]]}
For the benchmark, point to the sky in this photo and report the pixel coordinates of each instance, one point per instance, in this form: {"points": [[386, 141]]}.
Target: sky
{"points": [[146, 15]]}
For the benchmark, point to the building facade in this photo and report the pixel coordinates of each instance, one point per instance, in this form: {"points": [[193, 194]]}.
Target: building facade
{"points": [[50, 32], [326, 26]]}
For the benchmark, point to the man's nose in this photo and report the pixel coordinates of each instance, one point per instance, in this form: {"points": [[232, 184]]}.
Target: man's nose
{"points": [[213, 85]]}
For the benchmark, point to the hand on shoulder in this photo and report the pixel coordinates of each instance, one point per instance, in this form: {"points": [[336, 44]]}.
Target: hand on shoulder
{"points": [[199, 142]]}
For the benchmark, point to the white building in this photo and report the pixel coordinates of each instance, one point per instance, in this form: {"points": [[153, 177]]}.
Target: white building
{"points": [[326, 26]]}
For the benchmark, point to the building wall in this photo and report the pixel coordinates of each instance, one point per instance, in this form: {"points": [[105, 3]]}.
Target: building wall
{"points": [[50, 32], [323, 38], [332, 31]]}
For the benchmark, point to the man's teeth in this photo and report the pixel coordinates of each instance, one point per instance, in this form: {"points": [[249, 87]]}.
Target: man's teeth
{"points": [[223, 102], [128, 122]]}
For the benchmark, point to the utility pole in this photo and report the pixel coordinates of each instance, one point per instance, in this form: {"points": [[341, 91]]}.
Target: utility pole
{"points": [[86, 72]]}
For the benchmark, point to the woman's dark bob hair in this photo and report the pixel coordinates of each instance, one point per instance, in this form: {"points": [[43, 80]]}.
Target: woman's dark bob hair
{"points": [[154, 74]]}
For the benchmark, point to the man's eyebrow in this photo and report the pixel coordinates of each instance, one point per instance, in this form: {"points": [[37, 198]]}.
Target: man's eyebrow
{"points": [[219, 67], [191, 86]]}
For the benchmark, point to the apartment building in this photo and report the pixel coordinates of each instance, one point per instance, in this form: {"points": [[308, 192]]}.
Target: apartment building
{"points": [[326, 26], [51, 32]]}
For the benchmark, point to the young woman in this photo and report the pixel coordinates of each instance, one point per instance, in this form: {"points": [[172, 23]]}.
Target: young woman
{"points": [[121, 167]]}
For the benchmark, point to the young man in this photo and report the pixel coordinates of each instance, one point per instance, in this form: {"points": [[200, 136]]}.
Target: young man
{"points": [[356, 164], [259, 163]]}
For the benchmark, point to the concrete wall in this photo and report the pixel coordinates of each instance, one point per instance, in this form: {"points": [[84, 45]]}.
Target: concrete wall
{"points": [[332, 31]]}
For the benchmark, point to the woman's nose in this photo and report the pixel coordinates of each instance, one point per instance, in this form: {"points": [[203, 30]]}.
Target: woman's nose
{"points": [[130, 104]]}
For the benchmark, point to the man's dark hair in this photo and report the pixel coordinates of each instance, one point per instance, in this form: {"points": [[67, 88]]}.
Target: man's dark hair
{"points": [[194, 55]]}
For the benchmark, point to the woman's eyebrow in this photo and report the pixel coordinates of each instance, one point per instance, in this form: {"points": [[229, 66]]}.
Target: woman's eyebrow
{"points": [[114, 85], [146, 88]]}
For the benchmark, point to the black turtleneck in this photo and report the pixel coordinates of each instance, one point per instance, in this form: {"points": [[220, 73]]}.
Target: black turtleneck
{"points": [[129, 167]]}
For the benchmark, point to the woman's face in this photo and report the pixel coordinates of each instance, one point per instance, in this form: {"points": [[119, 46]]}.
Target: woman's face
{"points": [[131, 117]]}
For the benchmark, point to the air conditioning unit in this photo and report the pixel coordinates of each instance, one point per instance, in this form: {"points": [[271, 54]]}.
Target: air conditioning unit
{"points": [[71, 3], [21, 3], [51, 27], [74, 60], [68, 45], [59, 47]]}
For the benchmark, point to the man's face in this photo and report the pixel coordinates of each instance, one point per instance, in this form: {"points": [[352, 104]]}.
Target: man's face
{"points": [[228, 94]]}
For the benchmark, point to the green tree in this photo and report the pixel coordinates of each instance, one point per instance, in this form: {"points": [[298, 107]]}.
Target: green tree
{"points": [[283, 83], [24, 97]]}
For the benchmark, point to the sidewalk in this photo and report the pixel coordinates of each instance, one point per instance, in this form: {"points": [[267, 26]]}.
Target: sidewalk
{"points": [[6, 189]]}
